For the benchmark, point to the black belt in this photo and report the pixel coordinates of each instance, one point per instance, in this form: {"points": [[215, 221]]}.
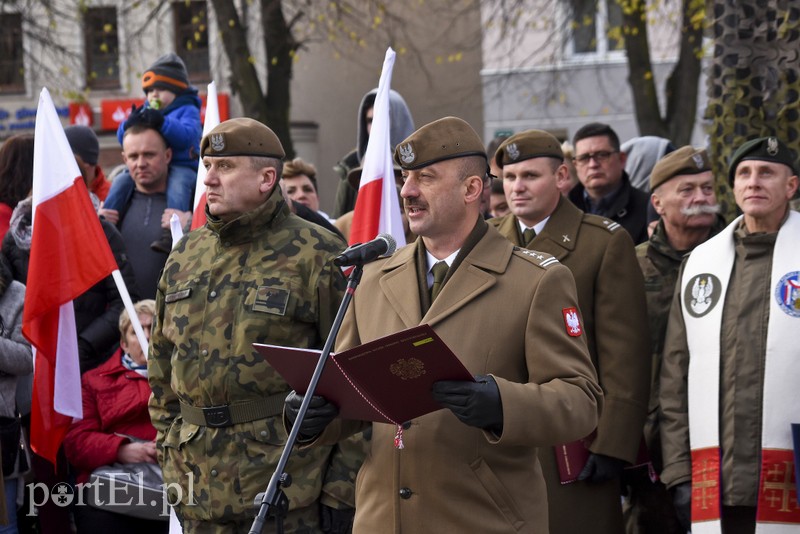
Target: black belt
{"points": [[232, 414]]}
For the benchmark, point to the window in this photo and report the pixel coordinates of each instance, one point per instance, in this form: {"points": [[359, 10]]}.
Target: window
{"points": [[12, 70], [191, 38], [102, 48], [595, 27]]}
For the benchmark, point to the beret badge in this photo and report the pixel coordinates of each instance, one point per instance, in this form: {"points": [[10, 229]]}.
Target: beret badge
{"points": [[512, 151], [698, 160], [772, 146], [407, 153], [217, 142]]}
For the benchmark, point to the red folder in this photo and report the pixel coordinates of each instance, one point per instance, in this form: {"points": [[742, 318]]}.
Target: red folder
{"points": [[387, 380], [571, 458]]}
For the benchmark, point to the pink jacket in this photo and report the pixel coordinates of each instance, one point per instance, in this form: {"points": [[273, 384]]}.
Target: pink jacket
{"points": [[114, 406]]}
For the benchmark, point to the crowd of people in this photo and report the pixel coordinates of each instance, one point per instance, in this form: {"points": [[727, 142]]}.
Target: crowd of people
{"points": [[634, 370]]}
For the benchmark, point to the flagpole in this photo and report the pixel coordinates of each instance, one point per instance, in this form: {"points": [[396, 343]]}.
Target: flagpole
{"points": [[134, 317]]}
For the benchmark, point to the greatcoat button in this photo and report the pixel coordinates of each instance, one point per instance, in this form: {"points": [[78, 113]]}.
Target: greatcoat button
{"points": [[405, 493]]}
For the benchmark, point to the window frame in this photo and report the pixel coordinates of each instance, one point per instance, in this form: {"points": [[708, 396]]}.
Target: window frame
{"points": [[91, 30], [183, 29]]}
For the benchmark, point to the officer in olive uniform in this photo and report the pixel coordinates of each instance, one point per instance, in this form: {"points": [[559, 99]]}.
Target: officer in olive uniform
{"points": [[683, 195], [255, 273], [729, 375], [601, 256], [473, 466]]}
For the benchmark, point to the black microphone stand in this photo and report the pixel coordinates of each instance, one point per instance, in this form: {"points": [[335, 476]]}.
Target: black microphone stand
{"points": [[273, 501]]}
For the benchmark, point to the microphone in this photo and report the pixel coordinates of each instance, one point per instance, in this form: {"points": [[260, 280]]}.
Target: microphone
{"points": [[383, 245]]}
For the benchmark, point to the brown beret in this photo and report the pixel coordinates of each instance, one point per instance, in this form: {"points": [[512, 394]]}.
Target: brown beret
{"points": [[765, 149], [528, 145], [685, 160], [440, 140], [241, 137]]}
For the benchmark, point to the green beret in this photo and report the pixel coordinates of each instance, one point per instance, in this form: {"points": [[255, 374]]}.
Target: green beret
{"points": [[440, 140], [528, 145], [241, 137], [763, 149], [685, 160]]}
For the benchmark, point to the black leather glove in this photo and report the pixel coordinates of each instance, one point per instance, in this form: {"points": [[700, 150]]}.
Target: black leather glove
{"points": [[319, 415], [682, 500], [336, 521], [146, 116], [474, 403], [600, 468]]}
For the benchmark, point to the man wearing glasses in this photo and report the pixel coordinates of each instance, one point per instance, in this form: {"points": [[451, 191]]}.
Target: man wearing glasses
{"points": [[604, 187]]}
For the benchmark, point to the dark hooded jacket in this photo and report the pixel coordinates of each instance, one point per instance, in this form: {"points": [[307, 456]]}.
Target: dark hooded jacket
{"points": [[401, 126]]}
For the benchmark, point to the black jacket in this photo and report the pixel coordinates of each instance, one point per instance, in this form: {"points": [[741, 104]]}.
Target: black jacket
{"points": [[629, 208]]}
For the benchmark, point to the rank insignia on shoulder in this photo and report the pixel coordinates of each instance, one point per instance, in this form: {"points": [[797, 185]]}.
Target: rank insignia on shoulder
{"points": [[572, 322], [611, 225], [544, 260]]}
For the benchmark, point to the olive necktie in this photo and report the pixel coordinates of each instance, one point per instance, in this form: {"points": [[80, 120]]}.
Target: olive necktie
{"points": [[527, 235], [439, 271]]}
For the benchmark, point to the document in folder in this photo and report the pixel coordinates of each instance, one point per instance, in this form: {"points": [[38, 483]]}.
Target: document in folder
{"points": [[387, 380]]}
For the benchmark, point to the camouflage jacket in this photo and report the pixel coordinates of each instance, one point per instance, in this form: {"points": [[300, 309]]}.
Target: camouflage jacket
{"points": [[265, 277]]}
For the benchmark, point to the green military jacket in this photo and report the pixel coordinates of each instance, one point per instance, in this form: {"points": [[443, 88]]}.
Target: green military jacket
{"points": [[265, 277], [660, 264]]}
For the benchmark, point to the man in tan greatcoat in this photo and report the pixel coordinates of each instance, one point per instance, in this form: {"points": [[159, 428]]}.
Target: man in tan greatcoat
{"points": [[472, 467], [602, 259]]}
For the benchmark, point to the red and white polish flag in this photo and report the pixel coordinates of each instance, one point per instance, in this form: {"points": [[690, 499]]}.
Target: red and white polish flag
{"points": [[69, 254], [377, 208], [211, 121]]}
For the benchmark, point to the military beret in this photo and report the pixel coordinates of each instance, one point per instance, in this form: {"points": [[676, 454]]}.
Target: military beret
{"points": [[241, 137], [763, 149], [440, 140], [685, 160], [528, 145]]}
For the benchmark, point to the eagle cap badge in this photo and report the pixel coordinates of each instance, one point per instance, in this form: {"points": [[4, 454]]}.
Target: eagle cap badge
{"points": [[407, 154], [513, 151], [217, 142], [698, 160], [772, 146]]}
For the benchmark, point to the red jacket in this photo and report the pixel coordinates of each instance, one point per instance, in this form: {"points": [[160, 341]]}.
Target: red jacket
{"points": [[114, 402]]}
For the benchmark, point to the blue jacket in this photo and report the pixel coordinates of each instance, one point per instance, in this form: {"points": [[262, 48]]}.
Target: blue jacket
{"points": [[181, 129]]}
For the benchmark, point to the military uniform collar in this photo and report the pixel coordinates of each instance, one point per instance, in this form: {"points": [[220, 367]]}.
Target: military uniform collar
{"points": [[562, 227], [252, 223]]}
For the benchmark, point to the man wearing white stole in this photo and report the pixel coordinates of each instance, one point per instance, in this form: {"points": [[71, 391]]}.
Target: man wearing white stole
{"points": [[730, 380]]}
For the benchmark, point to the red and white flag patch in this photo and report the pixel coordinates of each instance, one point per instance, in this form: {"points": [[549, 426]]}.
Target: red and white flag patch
{"points": [[572, 321]]}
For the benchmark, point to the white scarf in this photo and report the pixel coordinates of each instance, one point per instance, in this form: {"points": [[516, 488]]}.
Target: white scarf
{"points": [[703, 288]]}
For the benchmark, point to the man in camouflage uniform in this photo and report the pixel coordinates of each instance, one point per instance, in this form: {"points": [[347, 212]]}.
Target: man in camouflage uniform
{"points": [[255, 273], [601, 256], [682, 188]]}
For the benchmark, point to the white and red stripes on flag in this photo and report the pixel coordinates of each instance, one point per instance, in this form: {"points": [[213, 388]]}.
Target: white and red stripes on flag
{"points": [[211, 121], [69, 254], [377, 208]]}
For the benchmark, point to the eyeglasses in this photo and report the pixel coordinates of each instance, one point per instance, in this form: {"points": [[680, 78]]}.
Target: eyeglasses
{"points": [[599, 157]]}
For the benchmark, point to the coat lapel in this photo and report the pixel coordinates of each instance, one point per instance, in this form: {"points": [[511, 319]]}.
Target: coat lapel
{"points": [[476, 274], [399, 285], [560, 234]]}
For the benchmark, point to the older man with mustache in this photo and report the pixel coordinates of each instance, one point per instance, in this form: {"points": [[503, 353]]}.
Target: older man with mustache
{"points": [[683, 195]]}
